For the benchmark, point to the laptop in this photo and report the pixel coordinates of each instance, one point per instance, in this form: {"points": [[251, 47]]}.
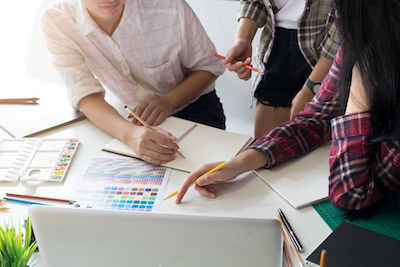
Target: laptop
{"points": [[69, 236]]}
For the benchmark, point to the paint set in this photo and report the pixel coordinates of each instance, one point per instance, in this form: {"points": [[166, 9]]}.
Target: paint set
{"points": [[36, 159]]}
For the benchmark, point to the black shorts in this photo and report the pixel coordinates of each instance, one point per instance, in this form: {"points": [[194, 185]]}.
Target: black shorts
{"points": [[206, 110], [285, 72]]}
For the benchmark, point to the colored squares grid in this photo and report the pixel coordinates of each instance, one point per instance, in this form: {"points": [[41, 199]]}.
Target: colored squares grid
{"points": [[119, 198]]}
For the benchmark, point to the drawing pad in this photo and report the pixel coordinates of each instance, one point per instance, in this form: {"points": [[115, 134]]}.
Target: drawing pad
{"points": [[77, 237]]}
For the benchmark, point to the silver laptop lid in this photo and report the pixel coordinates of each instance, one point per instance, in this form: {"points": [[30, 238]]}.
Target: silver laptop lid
{"points": [[76, 237]]}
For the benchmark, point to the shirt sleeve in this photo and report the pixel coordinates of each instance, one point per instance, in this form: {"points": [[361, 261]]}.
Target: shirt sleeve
{"points": [[66, 56], [330, 43], [351, 186], [255, 10], [307, 131], [197, 49]]}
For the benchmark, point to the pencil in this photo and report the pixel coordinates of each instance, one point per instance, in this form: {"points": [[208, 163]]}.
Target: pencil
{"points": [[4, 208], [220, 166], [28, 101], [147, 125], [286, 251], [37, 197], [24, 201], [290, 242], [246, 66], [322, 261]]}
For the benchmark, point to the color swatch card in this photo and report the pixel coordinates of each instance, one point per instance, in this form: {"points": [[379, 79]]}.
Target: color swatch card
{"points": [[198, 143], [36, 159], [122, 184]]}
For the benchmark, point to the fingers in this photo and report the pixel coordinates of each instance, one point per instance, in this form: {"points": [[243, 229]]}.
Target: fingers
{"points": [[153, 111], [238, 67]]}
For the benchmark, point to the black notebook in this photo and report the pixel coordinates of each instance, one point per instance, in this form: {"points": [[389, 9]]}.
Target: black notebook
{"points": [[350, 245]]}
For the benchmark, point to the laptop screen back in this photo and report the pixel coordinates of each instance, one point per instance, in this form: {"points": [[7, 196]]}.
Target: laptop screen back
{"points": [[76, 237]]}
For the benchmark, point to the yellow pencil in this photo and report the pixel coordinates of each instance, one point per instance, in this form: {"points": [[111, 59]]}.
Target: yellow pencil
{"points": [[207, 173]]}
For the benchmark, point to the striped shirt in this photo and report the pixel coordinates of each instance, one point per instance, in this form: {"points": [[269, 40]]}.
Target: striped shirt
{"points": [[350, 183], [317, 33], [154, 48]]}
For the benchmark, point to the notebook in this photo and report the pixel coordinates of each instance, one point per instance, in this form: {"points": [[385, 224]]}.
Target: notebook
{"points": [[53, 109], [198, 143], [302, 181], [350, 245], [79, 237]]}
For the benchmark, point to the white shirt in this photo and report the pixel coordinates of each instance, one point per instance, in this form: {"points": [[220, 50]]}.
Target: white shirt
{"points": [[155, 46], [288, 12]]}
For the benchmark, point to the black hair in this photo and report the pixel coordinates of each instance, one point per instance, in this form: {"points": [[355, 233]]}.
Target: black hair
{"points": [[370, 39]]}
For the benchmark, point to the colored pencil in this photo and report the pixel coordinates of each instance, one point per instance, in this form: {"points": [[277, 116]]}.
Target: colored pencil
{"points": [[246, 66], [147, 125], [24, 201], [4, 208], [38, 197], [290, 242], [322, 261], [286, 251], [207, 173], [26, 101]]}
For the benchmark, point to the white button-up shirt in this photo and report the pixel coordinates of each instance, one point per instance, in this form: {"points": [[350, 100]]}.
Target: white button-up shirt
{"points": [[155, 46]]}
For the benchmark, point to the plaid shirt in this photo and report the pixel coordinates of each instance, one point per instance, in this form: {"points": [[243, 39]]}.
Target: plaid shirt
{"points": [[350, 183], [317, 32]]}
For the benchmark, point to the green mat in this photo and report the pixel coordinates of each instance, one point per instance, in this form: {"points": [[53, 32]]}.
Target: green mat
{"points": [[385, 221]]}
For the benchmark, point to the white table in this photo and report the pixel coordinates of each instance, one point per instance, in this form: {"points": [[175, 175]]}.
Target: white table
{"points": [[246, 196]]}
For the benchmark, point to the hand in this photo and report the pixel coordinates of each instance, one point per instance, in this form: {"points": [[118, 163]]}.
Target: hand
{"points": [[241, 52], [152, 110], [300, 100], [202, 184], [154, 146]]}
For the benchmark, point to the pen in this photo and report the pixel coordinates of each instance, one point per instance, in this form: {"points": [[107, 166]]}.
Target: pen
{"points": [[25, 201], [146, 125], [37, 197], [246, 66], [290, 243], [220, 166], [293, 236]]}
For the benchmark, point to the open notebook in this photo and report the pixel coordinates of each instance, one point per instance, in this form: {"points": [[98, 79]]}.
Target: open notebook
{"points": [[198, 143], [302, 181]]}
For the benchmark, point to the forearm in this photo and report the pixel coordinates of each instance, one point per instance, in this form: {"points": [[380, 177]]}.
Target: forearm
{"points": [[320, 70], [246, 30], [189, 89], [104, 116]]}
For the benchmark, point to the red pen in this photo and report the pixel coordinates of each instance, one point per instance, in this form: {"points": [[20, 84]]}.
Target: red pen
{"points": [[246, 66]]}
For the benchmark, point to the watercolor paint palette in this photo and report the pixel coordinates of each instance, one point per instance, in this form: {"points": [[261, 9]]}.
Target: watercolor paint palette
{"points": [[128, 184], [36, 159]]}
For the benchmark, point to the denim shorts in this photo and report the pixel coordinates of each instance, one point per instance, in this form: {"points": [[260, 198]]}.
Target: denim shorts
{"points": [[285, 72]]}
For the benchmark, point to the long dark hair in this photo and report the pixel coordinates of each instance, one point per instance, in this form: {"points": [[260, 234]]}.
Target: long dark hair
{"points": [[370, 39]]}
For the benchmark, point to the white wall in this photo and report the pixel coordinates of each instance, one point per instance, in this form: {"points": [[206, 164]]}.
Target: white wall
{"points": [[19, 21], [219, 19]]}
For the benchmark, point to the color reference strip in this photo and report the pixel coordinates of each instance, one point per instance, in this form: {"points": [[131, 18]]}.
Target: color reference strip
{"points": [[124, 171], [119, 198], [128, 184], [386, 219]]}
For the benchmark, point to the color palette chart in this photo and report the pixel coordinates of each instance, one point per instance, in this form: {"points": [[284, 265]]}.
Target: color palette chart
{"points": [[128, 184]]}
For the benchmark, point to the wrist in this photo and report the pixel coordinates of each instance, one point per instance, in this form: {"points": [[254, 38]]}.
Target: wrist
{"points": [[314, 87]]}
